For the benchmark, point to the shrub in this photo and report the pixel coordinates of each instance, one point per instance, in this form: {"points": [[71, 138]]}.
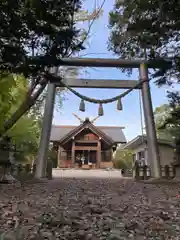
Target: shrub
{"points": [[123, 159]]}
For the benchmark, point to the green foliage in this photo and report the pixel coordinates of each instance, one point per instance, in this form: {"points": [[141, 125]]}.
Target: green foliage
{"points": [[148, 29], [13, 89], [6, 84], [25, 133], [160, 115], [26, 136], [167, 121], [123, 159], [35, 34], [53, 156]]}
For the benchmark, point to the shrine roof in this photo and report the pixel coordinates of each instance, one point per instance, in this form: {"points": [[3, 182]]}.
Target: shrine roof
{"points": [[114, 132]]}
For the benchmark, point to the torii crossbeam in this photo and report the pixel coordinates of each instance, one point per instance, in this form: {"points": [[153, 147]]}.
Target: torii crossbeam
{"points": [[97, 83], [143, 65]]}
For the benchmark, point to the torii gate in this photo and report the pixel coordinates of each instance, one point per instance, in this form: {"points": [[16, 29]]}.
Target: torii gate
{"points": [[142, 65]]}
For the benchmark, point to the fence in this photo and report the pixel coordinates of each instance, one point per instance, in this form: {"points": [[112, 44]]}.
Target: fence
{"points": [[144, 172], [9, 157], [18, 169], [127, 173]]}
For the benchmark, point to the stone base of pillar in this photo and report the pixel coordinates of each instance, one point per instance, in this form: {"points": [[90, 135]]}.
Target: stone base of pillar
{"points": [[7, 179], [177, 172], [5, 175]]}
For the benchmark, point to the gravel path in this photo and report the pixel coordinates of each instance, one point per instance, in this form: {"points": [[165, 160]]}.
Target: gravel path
{"points": [[89, 209]]}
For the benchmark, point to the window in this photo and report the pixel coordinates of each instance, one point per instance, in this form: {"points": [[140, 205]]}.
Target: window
{"points": [[87, 137], [105, 156], [69, 155], [87, 144], [141, 155]]}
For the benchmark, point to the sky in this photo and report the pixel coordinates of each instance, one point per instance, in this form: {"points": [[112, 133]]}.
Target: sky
{"points": [[130, 116]]}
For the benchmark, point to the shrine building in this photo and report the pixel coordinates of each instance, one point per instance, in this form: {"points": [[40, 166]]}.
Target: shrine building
{"points": [[86, 146]]}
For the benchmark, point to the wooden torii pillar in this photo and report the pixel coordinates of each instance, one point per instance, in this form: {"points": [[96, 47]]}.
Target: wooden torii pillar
{"points": [[41, 162], [153, 150]]}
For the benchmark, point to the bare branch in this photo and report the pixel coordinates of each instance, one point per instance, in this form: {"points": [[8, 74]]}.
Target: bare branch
{"points": [[96, 15]]}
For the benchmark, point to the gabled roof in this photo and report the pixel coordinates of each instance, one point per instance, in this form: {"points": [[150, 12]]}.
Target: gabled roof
{"points": [[86, 124], [113, 132], [141, 139]]}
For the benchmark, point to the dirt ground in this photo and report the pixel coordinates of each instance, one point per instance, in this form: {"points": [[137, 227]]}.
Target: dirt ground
{"points": [[89, 209]]}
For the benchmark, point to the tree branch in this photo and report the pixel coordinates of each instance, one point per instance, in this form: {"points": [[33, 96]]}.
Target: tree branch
{"points": [[95, 16], [25, 106]]}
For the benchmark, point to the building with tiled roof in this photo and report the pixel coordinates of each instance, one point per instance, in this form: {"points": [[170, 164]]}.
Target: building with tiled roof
{"points": [[86, 145]]}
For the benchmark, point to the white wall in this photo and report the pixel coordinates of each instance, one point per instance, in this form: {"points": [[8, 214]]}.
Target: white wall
{"points": [[166, 154]]}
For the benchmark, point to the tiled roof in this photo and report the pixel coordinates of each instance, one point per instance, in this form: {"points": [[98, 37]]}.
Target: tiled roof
{"points": [[115, 133], [139, 140]]}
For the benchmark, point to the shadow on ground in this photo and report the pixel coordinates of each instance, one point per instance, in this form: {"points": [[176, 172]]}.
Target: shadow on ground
{"points": [[89, 209]]}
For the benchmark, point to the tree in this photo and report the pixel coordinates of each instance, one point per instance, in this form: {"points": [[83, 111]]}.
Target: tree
{"points": [[83, 16], [148, 29], [160, 115], [25, 134], [13, 91], [123, 159], [5, 96], [168, 121], [34, 37], [35, 34]]}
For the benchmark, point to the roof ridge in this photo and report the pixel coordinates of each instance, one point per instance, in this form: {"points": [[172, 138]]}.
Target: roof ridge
{"points": [[65, 125], [110, 126], [93, 124]]}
